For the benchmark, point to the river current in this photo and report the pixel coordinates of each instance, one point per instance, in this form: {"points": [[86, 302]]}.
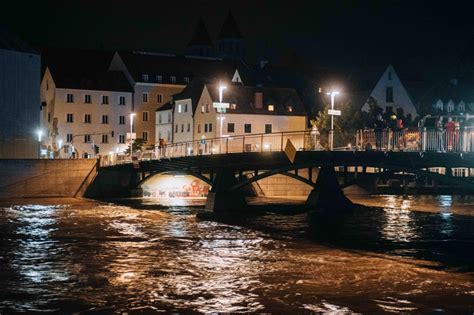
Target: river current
{"points": [[413, 254]]}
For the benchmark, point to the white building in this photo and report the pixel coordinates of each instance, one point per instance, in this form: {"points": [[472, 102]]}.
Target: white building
{"points": [[164, 123], [86, 111], [252, 110], [20, 74], [390, 94]]}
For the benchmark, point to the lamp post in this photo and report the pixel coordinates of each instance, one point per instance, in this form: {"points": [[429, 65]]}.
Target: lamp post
{"points": [[131, 134], [331, 132], [60, 144], [221, 109], [40, 135]]}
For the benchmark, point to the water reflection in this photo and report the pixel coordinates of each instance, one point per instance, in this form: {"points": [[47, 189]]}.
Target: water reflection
{"points": [[114, 258]]}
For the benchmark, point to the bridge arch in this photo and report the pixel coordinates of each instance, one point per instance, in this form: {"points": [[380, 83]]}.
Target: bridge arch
{"points": [[183, 172]]}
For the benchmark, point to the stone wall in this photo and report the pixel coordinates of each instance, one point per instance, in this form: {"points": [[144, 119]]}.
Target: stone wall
{"points": [[45, 178]]}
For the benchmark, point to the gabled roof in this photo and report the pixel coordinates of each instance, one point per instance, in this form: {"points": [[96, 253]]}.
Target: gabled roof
{"points": [[230, 29], [200, 36], [166, 106], [9, 41], [244, 98], [83, 69], [193, 91], [167, 65]]}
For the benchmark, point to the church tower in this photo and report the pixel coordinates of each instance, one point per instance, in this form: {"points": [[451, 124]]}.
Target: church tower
{"points": [[200, 44], [230, 40]]}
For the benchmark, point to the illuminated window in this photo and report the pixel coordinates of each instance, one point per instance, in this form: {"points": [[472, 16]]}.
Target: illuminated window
{"points": [[233, 106], [202, 108], [186, 80], [173, 79], [179, 108], [145, 77], [290, 108], [271, 108]]}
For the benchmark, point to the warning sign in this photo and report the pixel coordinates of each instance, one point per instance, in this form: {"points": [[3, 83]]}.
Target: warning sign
{"points": [[290, 151]]}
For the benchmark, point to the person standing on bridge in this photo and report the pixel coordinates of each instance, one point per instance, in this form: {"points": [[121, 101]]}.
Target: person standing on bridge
{"points": [[440, 134], [379, 129]]}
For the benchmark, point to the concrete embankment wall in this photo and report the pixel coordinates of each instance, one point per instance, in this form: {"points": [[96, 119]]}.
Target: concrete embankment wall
{"points": [[30, 178]]}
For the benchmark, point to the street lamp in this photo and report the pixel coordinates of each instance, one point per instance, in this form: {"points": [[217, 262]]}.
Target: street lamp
{"points": [[131, 134], [60, 144], [331, 132], [40, 134], [221, 91]]}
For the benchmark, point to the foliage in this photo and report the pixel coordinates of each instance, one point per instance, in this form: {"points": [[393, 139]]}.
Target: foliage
{"points": [[138, 145]]}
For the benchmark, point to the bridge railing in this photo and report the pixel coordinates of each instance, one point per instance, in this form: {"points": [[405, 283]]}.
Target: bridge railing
{"points": [[417, 139]]}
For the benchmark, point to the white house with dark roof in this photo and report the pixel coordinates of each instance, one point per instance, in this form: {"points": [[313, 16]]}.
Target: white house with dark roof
{"points": [[83, 110], [164, 123], [252, 110], [391, 95]]}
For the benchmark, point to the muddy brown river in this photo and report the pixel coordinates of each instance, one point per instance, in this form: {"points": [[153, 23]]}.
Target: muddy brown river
{"points": [[412, 254]]}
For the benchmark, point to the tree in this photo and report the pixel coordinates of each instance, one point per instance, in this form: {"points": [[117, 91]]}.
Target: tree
{"points": [[137, 145]]}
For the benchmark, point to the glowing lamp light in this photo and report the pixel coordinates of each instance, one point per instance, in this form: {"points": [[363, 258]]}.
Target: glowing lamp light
{"points": [[266, 146], [40, 134]]}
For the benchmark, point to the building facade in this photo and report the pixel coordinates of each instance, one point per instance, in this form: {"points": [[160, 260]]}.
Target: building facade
{"points": [[164, 123], [83, 116], [391, 95], [252, 110], [20, 74]]}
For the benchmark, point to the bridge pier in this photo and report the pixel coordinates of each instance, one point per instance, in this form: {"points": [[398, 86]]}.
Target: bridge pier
{"points": [[328, 195], [221, 198]]}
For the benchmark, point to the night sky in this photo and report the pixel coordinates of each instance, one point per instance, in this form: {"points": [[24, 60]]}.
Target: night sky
{"points": [[337, 33]]}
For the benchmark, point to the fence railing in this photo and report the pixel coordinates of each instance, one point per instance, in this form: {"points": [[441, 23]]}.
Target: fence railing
{"points": [[406, 140]]}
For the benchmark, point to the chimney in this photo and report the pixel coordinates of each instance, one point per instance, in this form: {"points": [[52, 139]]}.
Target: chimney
{"points": [[258, 100]]}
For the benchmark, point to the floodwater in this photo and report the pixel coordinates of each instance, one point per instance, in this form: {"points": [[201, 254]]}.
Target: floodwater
{"points": [[412, 254]]}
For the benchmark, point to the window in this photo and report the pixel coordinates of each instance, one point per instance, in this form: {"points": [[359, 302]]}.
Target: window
{"points": [[87, 118], [176, 128], [207, 108], [233, 106], [205, 128], [159, 78], [173, 79], [159, 118], [182, 127], [389, 95], [49, 116], [169, 117], [145, 97], [271, 108], [145, 136], [169, 136], [289, 108], [179, 108], [210, 127], [186, 80], [231, 127], [159, 98], [105, 138], [47, 85], [268, 128], [189, 127], [105, 119], [390, 75], [69, 137], [87, 138], [105, 99], [185, 108], [202, 108], [199, 128], [145, 116], [87, 98], [145, 77], [248, 128], [70, 98], [121, 120], [121, 138], [70, 118], [121, 100]]}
